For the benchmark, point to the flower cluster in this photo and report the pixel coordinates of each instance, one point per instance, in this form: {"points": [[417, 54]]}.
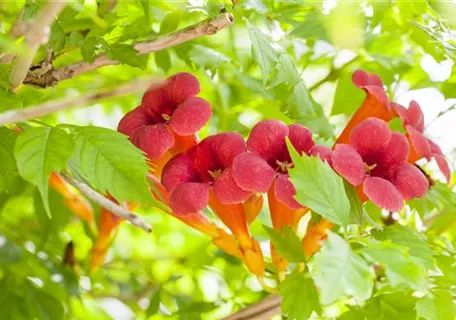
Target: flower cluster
{"points": [[230, 176]]}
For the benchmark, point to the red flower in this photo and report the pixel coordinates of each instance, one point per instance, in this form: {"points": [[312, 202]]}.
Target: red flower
{"points": [[168, 117], [190, 176], [377, 159], [203, 176], [422, 147], [376, 104], [268, 159]]}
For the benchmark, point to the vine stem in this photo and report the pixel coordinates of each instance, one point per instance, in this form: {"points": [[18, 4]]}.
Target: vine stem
{"points": [[206, 27], [49, 107], [113, 207], [35, 35], [263, 310]]}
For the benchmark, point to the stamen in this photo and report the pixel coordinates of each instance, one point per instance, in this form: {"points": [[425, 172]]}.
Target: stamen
{"points": [[283, 166], [215, 174], [166, 117], [369, 168]]}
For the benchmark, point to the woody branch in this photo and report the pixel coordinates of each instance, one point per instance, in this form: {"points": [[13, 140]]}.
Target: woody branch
{"points": [[203, 28]]}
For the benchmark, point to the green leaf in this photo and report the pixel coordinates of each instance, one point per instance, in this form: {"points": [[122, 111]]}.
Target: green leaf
{"points": [[9, 252], [312, 27], [287, 243], [58, 38], [8, 168], [111, 163], [300, 297], [319, 188], [30, 10], [262, 50], [127, 54], [348, 97], [154, 303], [340, 272], [75, 38], [92, 47], [163, 60], [9, 100], [401, 270], [207, 58], [5, 70], [408, 238], [285, 72], [38, 152], [394, 306], [170, 23], [302, 104], [436, 306], [356, 207], [146, 8]]}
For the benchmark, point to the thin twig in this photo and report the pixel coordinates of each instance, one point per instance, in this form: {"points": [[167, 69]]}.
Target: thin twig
{"points": [[263, 310], [203, 28], [49, 107], [18, 29], [441, 114], [333, 75], [113, 207], [35, 35]]}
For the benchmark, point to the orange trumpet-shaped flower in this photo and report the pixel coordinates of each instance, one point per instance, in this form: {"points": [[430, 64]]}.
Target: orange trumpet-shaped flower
{"points": [[252, 207], [73, 200], [234, 217], [282, 215], [107, 226], [376, 104], [198, 221]]}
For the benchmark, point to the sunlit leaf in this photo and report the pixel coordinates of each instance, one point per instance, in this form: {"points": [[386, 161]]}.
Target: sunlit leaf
{"points": [[38, 152], [438, 305], [8, 169], [319, 188], [287, 244], [340, 272], [300, 297], [111, 163], [401, 269]]}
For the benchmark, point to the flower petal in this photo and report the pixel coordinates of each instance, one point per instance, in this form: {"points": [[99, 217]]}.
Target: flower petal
{"points": [[440, 159], [226, 190], [164, 100], [383, 193], [178, 170], [183, 143], [182, 86], [190, 116], [419, 143], [189, 197], [267, 139], [216, 152], [132, 121], [394, 153], [370, 135], [349, 164], [362, 78], [285, 191], [443, 166], [252, 173], [323, 152], [154, 140], [410, 181], [415, 117], [300, 138], [435, 149]]}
